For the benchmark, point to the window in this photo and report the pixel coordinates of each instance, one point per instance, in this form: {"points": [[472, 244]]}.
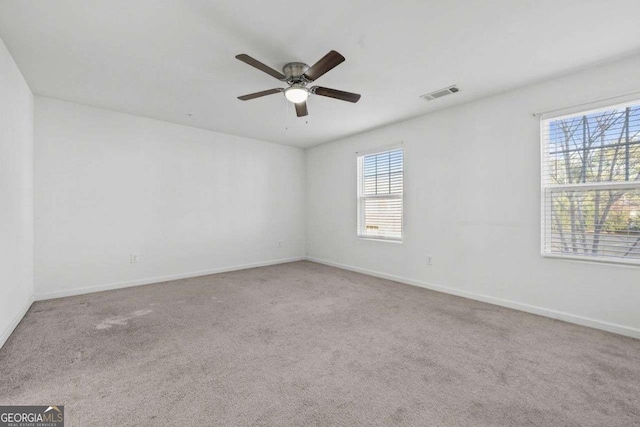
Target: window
{"points": [[380, 188], [591, 185]]}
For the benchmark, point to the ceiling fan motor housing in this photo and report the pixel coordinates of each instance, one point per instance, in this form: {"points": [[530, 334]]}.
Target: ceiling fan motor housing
{"points": [[294, 71]]}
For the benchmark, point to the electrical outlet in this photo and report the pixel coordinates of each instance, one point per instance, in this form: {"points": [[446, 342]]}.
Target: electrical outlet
{"points": [[134, 258], [429, 260]]}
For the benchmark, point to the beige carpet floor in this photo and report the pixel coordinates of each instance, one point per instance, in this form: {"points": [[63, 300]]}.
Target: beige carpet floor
{"points": [[303, 344]]}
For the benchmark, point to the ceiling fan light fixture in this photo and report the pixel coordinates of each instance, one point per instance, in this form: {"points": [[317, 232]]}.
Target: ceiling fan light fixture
{"points": [[296, 94], [297, 75]]}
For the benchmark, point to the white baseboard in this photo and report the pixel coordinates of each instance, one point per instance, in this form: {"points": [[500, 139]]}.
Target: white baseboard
{"points": [[150, 280], [11, 326], [559, 315]]}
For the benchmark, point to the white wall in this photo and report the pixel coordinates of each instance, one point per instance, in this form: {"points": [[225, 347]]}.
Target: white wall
{"points": [[473, 203], [16, 195], [186, 200]]}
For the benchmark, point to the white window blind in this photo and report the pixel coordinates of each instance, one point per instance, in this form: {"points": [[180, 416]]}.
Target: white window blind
{"points": [[380, 190], [591, 185]]}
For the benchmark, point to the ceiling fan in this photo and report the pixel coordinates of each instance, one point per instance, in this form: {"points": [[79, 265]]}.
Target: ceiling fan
{"points": [[298, 75]]}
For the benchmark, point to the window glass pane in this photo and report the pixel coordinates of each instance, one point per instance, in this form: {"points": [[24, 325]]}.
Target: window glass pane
{"points": [[395, 161], [598, 147], [383, 218], [595, 223], [382, 173], [370, 184], [382, 184], [396, 183], [382, 163], [370, 166]]}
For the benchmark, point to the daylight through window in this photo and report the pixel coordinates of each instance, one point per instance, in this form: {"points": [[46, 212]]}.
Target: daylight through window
{"points": [[380, 190], [591, 184]]}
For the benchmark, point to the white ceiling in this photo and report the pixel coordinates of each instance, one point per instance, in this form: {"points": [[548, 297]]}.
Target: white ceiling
{"points": [[165, 59]]}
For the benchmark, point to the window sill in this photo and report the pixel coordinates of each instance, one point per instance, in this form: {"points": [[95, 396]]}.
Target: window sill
{"points": [[374, 239], [595, 260]]}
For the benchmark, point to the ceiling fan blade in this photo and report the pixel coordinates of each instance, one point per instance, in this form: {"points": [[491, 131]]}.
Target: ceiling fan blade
{"points": [[259, 94], [326, 63], [301, 109], [337, 94], [260, 66]]}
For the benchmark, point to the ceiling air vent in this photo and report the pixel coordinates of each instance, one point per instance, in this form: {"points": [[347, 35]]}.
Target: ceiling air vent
{"points": [[440, 93]]}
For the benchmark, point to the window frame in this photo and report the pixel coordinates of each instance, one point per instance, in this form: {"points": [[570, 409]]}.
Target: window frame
{"points": [[546, 189], [360, 198]]}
